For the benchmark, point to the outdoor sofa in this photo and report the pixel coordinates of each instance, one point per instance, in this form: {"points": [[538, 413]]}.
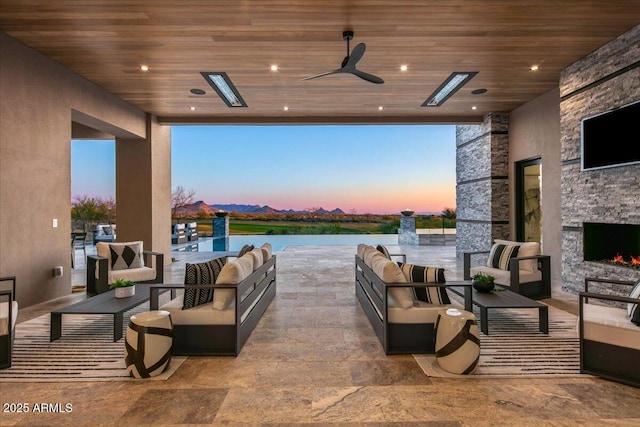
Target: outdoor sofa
{"points": [[609, 330], [221, 302], [401, 300]]}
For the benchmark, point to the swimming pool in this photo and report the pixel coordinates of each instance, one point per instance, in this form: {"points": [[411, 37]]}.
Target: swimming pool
{"points": [[280, 242]]}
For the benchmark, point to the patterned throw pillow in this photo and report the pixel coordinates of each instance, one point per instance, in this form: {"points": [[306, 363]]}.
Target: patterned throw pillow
{"points": [[245, 249], [500, 255], [204, 273], [633, 308], [124, 256], [419, 274], [384, 251]]}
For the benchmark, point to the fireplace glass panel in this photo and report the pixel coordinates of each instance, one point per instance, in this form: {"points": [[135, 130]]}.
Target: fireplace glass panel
{"points": [[603, 242]]}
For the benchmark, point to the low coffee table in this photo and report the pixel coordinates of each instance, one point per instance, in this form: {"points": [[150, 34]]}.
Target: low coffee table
{"points": [[105, 303], [504, 298]]}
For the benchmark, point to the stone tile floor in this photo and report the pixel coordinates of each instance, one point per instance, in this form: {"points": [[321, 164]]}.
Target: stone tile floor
{"points": [[314, 359]]}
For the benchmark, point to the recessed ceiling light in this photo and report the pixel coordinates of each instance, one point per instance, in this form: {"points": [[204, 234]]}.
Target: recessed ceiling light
{"points": [[534, 68], [198, 91], [380, 108], [144, 68], [478, 91], [403, 68], [474, 107], [274, 67], [193, 108], [450, 86], [286, 108]]}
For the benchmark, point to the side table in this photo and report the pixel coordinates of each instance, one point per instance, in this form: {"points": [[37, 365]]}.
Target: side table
{"points": [[457, 341], [148, 343]]}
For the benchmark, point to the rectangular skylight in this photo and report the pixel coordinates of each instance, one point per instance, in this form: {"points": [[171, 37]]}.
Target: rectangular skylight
{"points": [[221, 83], [450, 86]]}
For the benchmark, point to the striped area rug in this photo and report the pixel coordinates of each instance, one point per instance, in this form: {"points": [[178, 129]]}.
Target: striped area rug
{"points": [[85, 352], [516, 348]]}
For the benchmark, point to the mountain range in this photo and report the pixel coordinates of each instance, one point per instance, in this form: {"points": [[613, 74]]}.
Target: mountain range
{"points": [[201, 207]]}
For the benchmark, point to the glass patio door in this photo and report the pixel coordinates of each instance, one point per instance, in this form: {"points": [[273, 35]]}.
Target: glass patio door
{"points": [[528, 202]]}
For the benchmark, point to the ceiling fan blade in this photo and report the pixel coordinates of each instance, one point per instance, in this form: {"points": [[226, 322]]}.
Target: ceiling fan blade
{"points": [[356, 55], [366, 76], [315, 76]]}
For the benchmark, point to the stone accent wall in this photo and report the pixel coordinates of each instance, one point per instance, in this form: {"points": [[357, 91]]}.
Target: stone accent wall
{"points": [[221, 233], [407, 232], [482, 190], [603, 80]]}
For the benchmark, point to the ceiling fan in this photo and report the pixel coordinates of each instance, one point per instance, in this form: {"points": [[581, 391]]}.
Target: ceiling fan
{"points": [[349, 63]]}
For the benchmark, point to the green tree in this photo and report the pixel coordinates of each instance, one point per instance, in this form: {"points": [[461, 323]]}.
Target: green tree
{"points": [[90, 211]]}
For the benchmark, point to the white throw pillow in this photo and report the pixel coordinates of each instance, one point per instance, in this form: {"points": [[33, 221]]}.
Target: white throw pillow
{"points": [[256, 255], [232, 273]]}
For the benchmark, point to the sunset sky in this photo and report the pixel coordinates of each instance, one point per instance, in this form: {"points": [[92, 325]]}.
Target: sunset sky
{"points": [[369, 169]]}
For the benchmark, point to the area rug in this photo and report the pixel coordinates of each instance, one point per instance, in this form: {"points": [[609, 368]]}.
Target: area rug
{"points": [[515, 348], [85, 352]]}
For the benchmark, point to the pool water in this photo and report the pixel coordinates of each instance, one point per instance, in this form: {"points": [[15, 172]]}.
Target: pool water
{"points": [[280, 242]]}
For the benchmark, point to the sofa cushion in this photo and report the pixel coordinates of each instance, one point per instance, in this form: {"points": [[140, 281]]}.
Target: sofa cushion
{"points": [[389, 272], [634, 309], [256, 257], [232, 273], [141, 274], [420, 274], [125, 255], [383, 249], [267, 251], [204, 273], [604, 323], [4, 316], [503, 277], [525, 249], [369, 254], [107, 230]]}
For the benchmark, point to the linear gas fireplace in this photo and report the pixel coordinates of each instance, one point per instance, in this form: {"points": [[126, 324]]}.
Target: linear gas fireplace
{"points": [[617, 244]]}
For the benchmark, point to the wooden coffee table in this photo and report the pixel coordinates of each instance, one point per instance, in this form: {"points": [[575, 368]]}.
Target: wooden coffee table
{"points": [[105, 303], [503, 299]]}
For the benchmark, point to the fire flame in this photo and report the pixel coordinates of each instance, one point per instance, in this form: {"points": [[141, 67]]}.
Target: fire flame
{"points": [[633, 261], [618, 259]]}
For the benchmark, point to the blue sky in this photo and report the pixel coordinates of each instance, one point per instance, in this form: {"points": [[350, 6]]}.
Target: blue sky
{"points": [[366, 168]]}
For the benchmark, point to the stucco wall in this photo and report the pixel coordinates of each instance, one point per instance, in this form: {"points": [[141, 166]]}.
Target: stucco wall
{"points": [[534, 131], [39, 99]]}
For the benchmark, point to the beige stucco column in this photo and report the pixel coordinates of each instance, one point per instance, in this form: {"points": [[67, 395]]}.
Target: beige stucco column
{"points": [[143, 189]]}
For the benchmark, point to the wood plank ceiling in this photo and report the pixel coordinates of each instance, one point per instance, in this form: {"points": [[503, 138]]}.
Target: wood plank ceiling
{"points": [[107, 42]]}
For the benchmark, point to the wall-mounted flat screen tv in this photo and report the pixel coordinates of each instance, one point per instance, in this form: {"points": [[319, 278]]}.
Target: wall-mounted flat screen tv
{"points": [[611, 138]]}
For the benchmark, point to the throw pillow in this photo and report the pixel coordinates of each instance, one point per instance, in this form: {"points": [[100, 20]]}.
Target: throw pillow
{"points": [[232, 273], [525, 249], [244, 250], [125, 255], [634, 308], [266, 251], [500, 255], [420, 274], [389, 272], [204, 273], [384, 251], [107, 230]]}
